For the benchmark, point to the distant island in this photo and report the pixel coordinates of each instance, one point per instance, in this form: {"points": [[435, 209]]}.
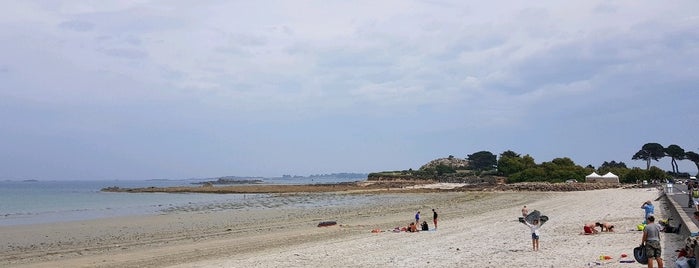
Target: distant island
{"points": [[230, 181], [343, 175]]}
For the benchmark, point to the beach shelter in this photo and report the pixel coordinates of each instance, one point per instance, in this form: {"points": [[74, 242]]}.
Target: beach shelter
{"points": [[610, 177], [593, 177]]}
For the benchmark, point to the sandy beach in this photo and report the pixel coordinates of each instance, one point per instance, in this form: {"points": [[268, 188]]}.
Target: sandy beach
{"points": [[476, 229]]}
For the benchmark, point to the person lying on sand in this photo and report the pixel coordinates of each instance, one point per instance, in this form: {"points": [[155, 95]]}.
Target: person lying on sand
{"points": [[412, 227], [588, 229]]}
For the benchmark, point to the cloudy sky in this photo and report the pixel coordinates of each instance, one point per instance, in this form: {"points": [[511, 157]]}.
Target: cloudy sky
{"points": [[179, 89]]}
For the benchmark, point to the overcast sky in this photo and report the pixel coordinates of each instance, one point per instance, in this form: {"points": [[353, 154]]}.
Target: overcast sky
{"points": [[181, 89]]}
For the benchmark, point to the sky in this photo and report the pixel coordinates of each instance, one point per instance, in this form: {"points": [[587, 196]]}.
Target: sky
{"points": [[96, 90]]}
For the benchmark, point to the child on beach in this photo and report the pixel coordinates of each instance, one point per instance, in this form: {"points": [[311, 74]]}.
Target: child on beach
{"points": [[589, 228], [535, 233], [649, 210]]}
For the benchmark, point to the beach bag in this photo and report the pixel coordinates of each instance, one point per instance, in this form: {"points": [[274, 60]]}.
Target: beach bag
{"points": [[640, 226], [639, 253]]}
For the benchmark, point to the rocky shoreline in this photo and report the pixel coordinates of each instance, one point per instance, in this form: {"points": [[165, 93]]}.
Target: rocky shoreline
{"points": [[359, 186], [547, 187]]}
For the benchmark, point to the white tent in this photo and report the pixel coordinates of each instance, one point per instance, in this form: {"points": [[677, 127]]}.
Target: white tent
{"points": [[593, 177], [610, 177]]}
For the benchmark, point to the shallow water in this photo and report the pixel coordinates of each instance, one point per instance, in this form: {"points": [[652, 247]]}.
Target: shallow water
{"points": [[32, 202]]}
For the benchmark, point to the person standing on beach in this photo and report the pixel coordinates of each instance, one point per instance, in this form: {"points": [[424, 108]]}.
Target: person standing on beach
{"points": [[434, 218], [417, 217], [525, 211], [651, 240], [649, 208], [535, 233]]}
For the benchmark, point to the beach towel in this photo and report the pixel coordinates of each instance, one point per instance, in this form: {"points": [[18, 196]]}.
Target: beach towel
{"points": [[639, 253]]}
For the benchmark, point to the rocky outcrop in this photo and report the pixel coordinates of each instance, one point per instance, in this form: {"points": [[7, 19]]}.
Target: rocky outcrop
{"points": [[225, 181], [453, 162]]}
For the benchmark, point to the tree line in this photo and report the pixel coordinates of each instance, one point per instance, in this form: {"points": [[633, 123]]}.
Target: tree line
{"points": [[523, 168], [655, 151]]}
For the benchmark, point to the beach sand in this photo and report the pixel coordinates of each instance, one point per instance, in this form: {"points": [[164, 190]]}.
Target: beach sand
{"points": [[475, 230]]}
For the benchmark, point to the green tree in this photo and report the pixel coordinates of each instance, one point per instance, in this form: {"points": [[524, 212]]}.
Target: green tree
{"points": [[635, 175], [444, 169], [510, 163], [529, 174], [649, 151], [562, 169], [612, 164], [675, 152], [509, 153], [618, 168], [482, 160], [694, 157], [655, 173]]}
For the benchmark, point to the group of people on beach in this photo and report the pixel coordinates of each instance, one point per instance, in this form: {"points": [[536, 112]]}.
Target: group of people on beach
{"points": [[413, 226], [535, 225], [591, 228], [650, 240]]}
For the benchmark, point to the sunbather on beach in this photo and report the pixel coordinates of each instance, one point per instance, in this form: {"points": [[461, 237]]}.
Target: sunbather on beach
{"points": [[589, 228]]}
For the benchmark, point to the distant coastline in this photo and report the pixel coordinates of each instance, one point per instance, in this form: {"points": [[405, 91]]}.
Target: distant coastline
{"points": [[225, 181], [376, 187]]}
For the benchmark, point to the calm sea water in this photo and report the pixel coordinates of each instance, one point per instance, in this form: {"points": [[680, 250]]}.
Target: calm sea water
{"points": [[31, 202]]}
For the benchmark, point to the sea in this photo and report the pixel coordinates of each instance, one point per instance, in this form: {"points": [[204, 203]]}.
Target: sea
{"points": [[40, 202]]}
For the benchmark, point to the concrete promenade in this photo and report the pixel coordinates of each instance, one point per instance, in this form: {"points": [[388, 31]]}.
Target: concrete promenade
{"points": [[682, 212]]}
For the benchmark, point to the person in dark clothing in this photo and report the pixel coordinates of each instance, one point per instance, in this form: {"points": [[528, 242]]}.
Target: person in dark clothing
{"points": [[434, 218], [424, 226]]}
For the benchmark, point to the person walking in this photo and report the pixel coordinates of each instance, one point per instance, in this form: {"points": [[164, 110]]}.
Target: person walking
{"points": [[651, 240], [434, 219], [417, 217]]}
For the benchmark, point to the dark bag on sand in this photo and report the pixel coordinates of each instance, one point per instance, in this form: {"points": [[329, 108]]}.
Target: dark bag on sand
{"points": [[639, 253]]}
